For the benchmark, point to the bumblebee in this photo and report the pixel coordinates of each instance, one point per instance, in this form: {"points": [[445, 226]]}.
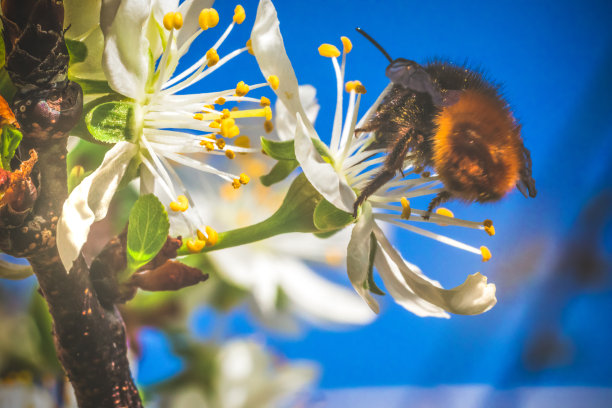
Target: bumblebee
{"points": [[450, 119]]}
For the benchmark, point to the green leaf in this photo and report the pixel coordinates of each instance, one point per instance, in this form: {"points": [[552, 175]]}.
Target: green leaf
{"points": [[327, 217], [9, 141], [113, 122], [371, 285], [279, 172], [278, 150], [9, 270], [147, 231], [77, 51], [7, 89]]}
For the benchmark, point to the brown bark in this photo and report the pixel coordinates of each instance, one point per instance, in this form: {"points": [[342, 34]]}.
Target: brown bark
{"points": [[89, 337]]}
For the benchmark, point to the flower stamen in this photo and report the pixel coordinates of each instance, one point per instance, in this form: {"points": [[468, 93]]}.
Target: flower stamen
{"points": [[181, 204], [209, 18]]}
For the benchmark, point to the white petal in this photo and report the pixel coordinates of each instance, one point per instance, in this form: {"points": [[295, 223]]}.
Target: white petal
{"points": [[269, 49], [320, 173], [474, 296], [89, 201], [126, 50], [191, 13], [400, 291], [284, 121], [358, 256], [320, 300]]}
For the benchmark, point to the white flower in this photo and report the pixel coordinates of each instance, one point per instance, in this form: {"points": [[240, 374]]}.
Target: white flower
{"points": [[347, 168], [143, 43], [275, 271], [246, 376]]}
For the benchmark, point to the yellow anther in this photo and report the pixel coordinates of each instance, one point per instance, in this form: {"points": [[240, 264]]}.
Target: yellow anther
{"points": [[177, 20], [242, 89], [273, 81], [235, 109], [236, 184], [211, 57], [220, 100], [355, 86], [198, 116], [406, 210], [242, 141], [268, 126], [333, 257], [445, 212], [264, 101], [209, 107], [486, 254], [208, 144], [201, 236], [225, 113], [488, 227], [77, 172], [328, 50], [239, 14], [229, 128], [268, 113], [214, 124], [195, 245], [220, 143], [208, 18], [168, 21], [244, 179], [347, 45], [213, 237], [249, 47], [181, 204], [230, 154]]}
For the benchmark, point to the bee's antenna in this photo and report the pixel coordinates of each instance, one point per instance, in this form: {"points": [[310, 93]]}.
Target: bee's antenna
{"points": [[377, 45]]}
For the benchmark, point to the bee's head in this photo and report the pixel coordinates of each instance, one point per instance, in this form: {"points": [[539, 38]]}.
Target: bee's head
{"points": [[413, 76], [407, 74]]}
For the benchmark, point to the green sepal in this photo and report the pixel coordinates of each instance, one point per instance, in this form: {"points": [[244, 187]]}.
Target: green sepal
{"points": [[281, 170], [294, 215], [278, 150], [9, 141], [147, 231], [80, 130], [113, 122], [370, 284], [323, 150], [77, 51], [132, 171], [326, 234], [93, 86], [14, 272], [327, 217]]}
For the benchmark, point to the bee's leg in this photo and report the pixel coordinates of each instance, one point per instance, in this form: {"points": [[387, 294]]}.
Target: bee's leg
{"points": [[376, 183], [394, 162], [442, 197]]}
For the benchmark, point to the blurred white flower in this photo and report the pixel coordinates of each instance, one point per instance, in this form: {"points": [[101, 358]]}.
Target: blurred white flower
{"points": [[246, 376], [346, 167]]}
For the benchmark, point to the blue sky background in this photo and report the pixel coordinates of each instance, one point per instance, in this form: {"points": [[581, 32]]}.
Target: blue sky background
{"points": [[552, 259], [552, 324]]}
